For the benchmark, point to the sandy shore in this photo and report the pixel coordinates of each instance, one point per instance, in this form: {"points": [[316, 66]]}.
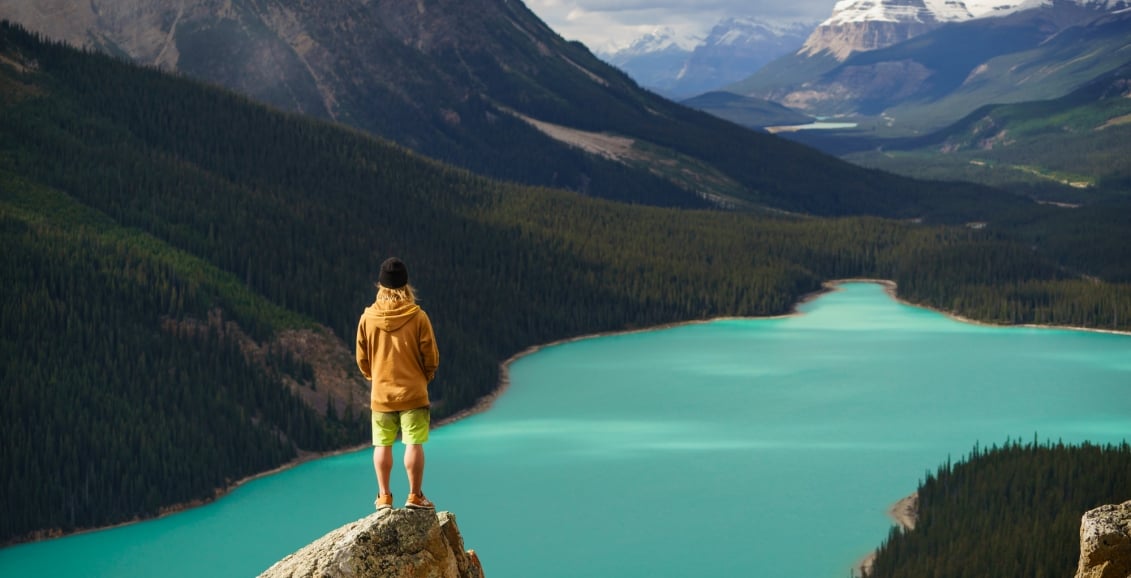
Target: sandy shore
{"points": [[303, 457], [890, 289], [902, 512]]}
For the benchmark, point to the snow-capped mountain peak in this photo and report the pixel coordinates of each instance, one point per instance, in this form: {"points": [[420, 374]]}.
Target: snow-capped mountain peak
{"points": [[862, 25], [857, 11], [991, 8], [735, 30], [681, 66], [658, 40]]}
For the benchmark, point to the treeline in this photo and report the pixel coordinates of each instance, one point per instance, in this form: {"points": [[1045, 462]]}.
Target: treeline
{"points": [[1070, 150], [1077, 134], [278, 221], [1013, 510], [112, 407]]}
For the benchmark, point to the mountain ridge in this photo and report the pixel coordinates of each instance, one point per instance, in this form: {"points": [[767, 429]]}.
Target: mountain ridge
{"points": [[939, 76], [857, 26], [450, 73], [1069, 150], [680, 67]]}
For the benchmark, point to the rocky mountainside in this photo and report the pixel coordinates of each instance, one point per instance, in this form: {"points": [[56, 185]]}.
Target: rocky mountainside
{"points": [[392, 544], [946, 73], [653, 60], [734, 49], [863, 25], [459, 81], [481, 84]]}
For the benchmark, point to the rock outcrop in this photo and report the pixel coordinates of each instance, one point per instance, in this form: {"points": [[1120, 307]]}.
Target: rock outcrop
{"points": [[1105, 542], [863, 25], [398, 543]]}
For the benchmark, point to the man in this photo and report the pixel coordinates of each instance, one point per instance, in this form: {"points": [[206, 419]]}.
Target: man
{"points": [[396, 352]]}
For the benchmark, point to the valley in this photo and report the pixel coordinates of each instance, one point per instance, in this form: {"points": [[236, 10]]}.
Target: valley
{"points": [[182, 291]]}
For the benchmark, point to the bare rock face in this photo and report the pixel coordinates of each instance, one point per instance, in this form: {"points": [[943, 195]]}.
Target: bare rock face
{"points": [[1105, 542], [863, 25], [398, 543], [842, 39]]}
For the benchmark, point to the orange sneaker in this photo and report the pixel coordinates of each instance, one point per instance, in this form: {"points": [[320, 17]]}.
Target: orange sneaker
{"points": [[383, 502], [419, 502]]}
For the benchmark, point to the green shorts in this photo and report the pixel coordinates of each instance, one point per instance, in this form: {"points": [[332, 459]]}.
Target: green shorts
{"points": [[411, 423]]}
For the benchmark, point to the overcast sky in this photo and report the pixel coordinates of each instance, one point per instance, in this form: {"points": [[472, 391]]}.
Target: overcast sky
{"points": [[600, 23]]}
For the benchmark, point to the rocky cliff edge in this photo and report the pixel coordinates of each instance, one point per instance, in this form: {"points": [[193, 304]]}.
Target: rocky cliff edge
{"points": [[391, 544], [1105, 542]]}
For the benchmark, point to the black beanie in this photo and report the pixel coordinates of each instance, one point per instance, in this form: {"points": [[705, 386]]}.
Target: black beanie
{"points": [[394, 275]]}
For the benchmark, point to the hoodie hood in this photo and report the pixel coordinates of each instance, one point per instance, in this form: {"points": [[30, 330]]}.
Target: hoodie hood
{"points": [[391, 315]]}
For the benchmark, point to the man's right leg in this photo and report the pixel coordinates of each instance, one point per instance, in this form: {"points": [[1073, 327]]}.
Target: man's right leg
{"points": [[383, 464]]}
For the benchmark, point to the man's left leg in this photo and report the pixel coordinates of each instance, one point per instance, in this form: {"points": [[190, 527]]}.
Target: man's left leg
{"points": [[414, 466]]}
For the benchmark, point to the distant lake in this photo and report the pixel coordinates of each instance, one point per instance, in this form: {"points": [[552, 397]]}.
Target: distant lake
{"points": [[755, 447], [819, 125]]}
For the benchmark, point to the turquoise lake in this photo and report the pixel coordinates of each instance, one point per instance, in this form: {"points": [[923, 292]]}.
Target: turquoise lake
{"points": [[753, 447]]}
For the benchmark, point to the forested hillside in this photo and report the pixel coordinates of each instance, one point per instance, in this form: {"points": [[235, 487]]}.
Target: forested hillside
{"points": [[1012, 510], [486, 85], [113, 406], [1075, 145], [137, 208], [937, 77]]}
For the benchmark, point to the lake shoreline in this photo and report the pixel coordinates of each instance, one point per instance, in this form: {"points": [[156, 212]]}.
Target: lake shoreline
{"points": [[897, 511], [890, 288], [904, 512], [218, 493]]}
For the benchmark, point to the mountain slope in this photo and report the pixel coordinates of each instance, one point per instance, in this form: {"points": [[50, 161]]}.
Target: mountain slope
{"points": [[1070, 152], [746, 111], [1078, 140], [463, 80], [865, 25], [733, 49], [191, 233], [653, 60], [942, 75]]}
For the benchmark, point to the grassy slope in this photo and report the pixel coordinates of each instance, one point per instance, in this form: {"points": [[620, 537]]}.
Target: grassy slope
{"points": [[1076, 145], [973, 64]]}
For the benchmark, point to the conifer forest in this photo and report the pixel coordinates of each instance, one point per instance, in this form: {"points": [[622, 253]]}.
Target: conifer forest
{"points": [[157, 231]]}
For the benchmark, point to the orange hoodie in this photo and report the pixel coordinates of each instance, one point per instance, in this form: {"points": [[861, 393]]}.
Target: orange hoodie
{"points": [[396, 352]]}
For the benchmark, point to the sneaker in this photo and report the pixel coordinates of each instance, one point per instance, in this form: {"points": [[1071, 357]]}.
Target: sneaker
{"points": [[383, 502], [419, 502]]}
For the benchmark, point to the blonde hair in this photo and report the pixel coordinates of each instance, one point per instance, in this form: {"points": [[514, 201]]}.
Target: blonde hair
{"points": [[404, 294]]}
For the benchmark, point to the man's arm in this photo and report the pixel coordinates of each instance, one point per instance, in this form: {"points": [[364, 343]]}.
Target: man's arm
{"points": [[362, 353], [429, 353]]}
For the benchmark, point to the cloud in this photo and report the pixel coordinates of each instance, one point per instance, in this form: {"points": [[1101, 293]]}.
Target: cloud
{"points": [[610, 23]]}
